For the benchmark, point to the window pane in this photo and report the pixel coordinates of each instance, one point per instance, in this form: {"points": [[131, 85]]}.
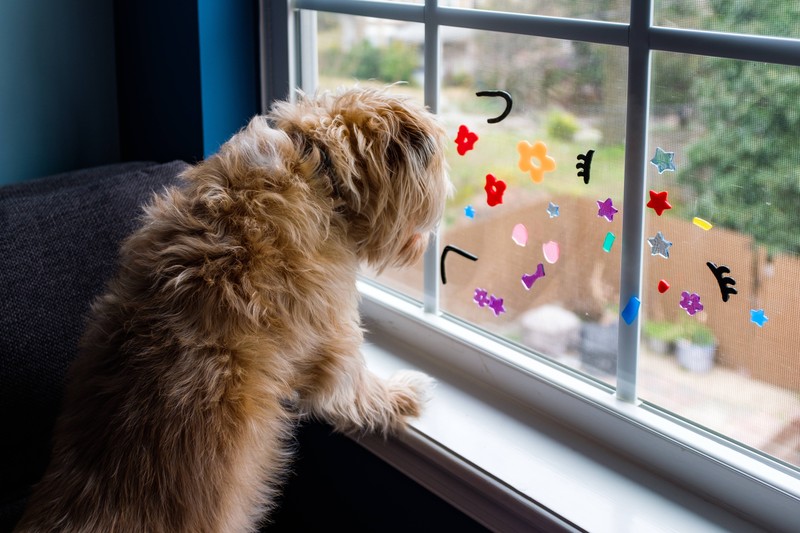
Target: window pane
{"points": [[779, 18], [732, 366], [404, 1], [374, 52], [571, 97], [607, 10]]}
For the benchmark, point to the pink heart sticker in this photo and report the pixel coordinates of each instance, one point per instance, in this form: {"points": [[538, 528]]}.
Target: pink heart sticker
{"points": [[520, 235], [551, 251]]}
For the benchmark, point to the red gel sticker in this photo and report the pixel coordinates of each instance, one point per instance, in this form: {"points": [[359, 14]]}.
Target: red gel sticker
{"points": [[494, 190], [658, 202], [465, 140]]}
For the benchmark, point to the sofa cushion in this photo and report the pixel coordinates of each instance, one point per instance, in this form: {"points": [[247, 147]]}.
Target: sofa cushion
{"points": [[59, 238]]}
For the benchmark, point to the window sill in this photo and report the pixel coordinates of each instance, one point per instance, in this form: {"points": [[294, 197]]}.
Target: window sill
{"points": [[512, 468]]}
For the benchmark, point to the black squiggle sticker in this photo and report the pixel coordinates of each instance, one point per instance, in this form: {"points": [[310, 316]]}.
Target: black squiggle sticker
{"points": [[723, 280], [505, 96], [460, 252], [585, 167]]}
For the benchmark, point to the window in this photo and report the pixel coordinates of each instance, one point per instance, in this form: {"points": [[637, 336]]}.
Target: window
{"points": [[658, 260]]}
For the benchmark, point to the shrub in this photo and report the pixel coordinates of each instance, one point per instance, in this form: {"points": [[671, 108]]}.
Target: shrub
{"points": [[562, 126]]}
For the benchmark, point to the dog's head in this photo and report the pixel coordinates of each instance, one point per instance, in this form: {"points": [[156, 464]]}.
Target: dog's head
{"points": [[385, 156]]}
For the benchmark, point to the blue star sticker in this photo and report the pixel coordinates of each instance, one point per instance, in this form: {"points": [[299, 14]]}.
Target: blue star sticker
{"points": [[469, 211], [663, 160], [758, 317], [552, 210], [659, 245]]}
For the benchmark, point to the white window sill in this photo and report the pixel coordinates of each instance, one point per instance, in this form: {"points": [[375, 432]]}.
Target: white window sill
{"points": [[514, 469]]}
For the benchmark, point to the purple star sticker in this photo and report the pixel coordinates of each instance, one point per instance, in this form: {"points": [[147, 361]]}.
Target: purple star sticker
{"points": [[529, 279], [496, 305], [606, 209], [481, 297], [691, 303]]}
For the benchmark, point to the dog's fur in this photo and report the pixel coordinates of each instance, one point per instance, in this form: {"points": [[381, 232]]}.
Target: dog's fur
{"points": [[235, 311]]}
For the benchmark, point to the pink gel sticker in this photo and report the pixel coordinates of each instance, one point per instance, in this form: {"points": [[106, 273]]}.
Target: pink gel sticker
{"points": [[520, 235], [551, 251]]}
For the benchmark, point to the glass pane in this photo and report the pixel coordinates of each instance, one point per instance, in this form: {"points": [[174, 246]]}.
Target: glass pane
{"points": [[607, 10], [731, 366], [404, 1], [571, 98], [374, 52], [779, 18]]}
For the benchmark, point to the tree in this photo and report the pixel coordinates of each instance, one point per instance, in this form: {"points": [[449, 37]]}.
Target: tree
{"points": [[745, 169]]}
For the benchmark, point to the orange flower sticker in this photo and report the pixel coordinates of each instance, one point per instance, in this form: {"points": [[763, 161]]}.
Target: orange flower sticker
{"points": [[534, 159]]}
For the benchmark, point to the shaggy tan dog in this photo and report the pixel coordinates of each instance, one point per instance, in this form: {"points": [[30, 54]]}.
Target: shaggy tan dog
{"points": [[235, 311]]}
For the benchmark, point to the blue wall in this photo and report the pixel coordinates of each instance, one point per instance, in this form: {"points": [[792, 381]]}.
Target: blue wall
{"points": [[58, 94], [91, 82], [228, 68]]}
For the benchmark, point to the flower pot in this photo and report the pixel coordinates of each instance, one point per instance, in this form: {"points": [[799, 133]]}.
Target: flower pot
{"points": [[695, 357], [599, 347], [658, 346]]}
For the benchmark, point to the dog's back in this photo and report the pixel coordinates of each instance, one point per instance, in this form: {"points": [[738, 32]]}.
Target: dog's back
{"points": [[165, 426]]}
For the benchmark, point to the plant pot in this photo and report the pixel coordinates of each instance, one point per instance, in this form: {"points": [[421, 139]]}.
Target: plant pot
{"points": [[658, 346], [550, 330], [599, 347], [695, 357]]}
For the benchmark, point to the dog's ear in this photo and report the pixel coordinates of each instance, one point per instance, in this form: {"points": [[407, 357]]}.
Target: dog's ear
{"points": [[398, 184], [386, 155]]}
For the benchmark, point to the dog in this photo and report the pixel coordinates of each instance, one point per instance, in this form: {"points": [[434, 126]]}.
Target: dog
{"points": [[234, 314]]}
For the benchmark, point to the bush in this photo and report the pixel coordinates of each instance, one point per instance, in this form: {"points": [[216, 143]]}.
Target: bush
{"points": [[365, 61], [686, 328], [661, 330], [398, 63], [562, 126], [699, 334]]}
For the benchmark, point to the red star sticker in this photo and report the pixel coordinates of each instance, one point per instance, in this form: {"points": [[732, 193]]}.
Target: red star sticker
{"points": [[494, 190], [658, 201], [465, 140]]}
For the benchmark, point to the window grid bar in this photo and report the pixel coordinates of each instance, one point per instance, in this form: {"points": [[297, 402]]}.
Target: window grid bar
{"points": [[699, 42], [432, 50], [382, 10], [636, 121], [728, 45], [593, 31]]}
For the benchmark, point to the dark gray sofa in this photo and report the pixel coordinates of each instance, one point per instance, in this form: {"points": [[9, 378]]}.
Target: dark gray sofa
{"points": [[59, 238]]}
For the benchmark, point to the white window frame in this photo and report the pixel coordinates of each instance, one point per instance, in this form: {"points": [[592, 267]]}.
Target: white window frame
{"points": [[725, 473]]}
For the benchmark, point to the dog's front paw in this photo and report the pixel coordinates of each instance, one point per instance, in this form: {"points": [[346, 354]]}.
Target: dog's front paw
{"points": [[410, 391]]}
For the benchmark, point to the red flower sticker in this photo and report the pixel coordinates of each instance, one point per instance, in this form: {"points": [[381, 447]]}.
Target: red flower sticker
{"points": [[465, 140], [494, 190]]}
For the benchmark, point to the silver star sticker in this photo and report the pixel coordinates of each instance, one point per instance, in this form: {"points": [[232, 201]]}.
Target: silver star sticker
{"points": [[664, 160], [552, 210], [659, 245]]}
